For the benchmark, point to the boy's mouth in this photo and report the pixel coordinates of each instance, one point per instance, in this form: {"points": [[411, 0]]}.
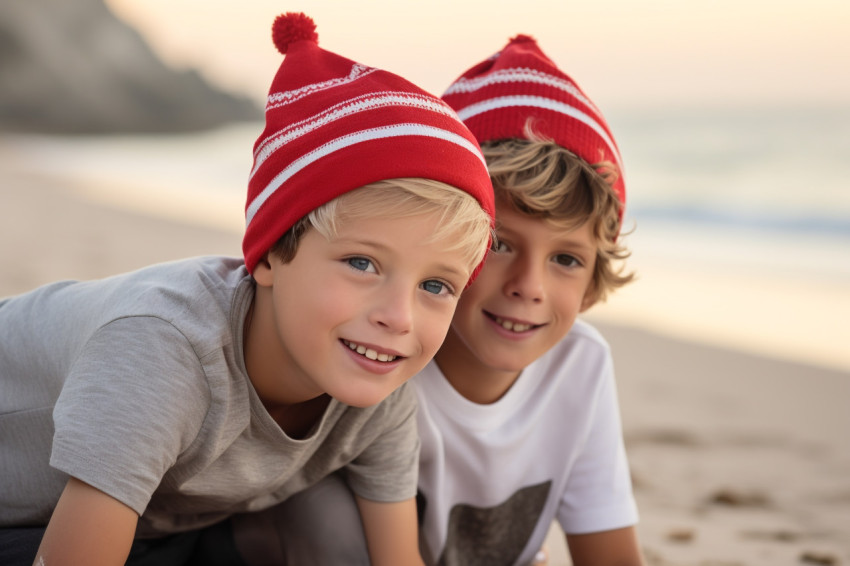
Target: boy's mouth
{"points": [[511, 325], [369, 352]]}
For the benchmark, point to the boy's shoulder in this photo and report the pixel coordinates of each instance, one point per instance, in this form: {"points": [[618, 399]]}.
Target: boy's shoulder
{"points": [[175, 290], [171, 274], [194, 293], [190, 279], [192, 269]]}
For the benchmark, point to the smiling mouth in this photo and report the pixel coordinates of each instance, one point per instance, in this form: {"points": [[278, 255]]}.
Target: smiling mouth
{"points": [[369, 352], [511, 325]]}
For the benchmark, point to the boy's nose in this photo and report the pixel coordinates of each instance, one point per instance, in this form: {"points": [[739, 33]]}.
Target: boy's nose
{"points": [[525, 281], [393, 311]]}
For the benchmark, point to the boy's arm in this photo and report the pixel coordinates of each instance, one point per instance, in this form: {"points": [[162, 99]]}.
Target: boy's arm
{"points": [[87, 527], [618, 547], [391, 532]]}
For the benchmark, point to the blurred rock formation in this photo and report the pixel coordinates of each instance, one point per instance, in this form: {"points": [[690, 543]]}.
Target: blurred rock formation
{"points": [[71, 66]]}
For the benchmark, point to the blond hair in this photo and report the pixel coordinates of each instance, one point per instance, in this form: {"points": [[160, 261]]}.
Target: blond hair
{"points": [[463, 224], [541, 179]]}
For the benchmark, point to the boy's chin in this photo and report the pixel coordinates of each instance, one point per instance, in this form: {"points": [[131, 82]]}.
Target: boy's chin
{"points": [[364, 389], [364, 397], [361, 403]]}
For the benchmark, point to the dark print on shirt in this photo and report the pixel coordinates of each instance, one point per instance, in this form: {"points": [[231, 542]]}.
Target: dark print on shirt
{"points": [[492, 536]]}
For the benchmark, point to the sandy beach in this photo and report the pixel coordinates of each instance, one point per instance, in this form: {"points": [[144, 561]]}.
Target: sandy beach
{"points": [[737, 458]]}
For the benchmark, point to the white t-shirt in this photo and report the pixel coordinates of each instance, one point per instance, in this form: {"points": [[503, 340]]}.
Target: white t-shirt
{"points": [[492, 478]]}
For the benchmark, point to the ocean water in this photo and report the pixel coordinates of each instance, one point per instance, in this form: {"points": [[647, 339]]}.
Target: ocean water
{"points": [[731, 174], [738, 219], [741, 229], [753, 189]]}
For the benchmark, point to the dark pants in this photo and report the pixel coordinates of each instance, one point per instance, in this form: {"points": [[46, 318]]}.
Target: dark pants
{"points": [[212, 546], [319, 526], [18, 546]]}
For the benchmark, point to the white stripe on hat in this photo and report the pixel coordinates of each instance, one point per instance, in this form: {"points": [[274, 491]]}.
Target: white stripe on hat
{"points": [[369, 101], [516, 75], [546, 104], [276, 99], [397, 130]]}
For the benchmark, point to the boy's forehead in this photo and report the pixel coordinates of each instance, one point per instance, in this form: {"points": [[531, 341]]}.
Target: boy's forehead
{"points": [[350, 227], [402, 235], [510, 220]]}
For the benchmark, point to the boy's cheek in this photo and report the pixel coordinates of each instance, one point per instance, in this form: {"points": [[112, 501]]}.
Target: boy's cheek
{"points": [[440, 329]]}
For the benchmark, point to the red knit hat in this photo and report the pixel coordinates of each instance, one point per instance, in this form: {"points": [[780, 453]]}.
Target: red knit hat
{"points": [[333, 125], [496, 97]]}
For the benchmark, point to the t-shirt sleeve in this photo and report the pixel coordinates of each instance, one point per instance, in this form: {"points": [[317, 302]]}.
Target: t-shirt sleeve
{"points": [[598, 495], [134, 399], [387, 469]]}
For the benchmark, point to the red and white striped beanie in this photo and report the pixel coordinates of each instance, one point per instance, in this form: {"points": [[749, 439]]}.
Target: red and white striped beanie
{"points": [[496, 97], [333, 125]]}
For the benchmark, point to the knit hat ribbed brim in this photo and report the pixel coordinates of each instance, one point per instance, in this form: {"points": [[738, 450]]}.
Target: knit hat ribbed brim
{"points": [[497, 97], [334, 125]]}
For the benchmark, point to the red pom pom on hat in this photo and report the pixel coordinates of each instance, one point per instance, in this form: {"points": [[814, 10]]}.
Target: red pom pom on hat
{"points": [[291, 27], [522, 38], [498, 97], [334, 125]]}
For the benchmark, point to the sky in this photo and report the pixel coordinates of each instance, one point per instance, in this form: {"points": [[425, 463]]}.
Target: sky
{"points": [[623, 53]]}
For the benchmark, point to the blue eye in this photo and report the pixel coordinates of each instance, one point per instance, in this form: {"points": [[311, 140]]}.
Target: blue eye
{"points": [[436, 287], [361, 264]]}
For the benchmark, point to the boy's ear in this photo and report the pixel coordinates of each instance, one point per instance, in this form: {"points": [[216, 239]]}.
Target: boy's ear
{"points": [[263, 272]]}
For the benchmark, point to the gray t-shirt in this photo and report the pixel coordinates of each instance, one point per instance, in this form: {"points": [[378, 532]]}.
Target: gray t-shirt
{"points": [[136, 384]]}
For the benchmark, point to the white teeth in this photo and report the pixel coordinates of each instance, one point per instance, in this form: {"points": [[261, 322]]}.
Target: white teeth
{"points": [[369, 353], [513, 326]]}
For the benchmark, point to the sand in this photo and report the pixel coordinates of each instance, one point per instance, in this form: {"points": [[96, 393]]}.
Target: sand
{"points": [[737, 458]]}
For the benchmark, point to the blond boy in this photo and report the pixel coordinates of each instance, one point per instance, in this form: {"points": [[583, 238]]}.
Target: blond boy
{"points": [[140, 412]]}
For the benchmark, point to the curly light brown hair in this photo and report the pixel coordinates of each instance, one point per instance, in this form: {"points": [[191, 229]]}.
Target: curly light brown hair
{"points": [[541, 179]]}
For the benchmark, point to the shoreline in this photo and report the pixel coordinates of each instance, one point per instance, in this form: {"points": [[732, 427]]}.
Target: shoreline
{"points": [[759, 309]]}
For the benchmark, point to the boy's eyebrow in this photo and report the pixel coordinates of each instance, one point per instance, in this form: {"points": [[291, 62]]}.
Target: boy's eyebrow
{"points": [[559, 241], [566, 242], [448, 268]]}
